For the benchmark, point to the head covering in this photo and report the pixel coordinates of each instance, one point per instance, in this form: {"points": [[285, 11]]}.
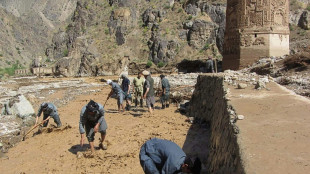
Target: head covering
{"points": [[109, 81], [162, 76], [44, 105], [146, 73], [123, 76], [92, 106]]}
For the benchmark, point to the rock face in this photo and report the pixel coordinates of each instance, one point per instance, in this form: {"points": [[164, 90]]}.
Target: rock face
{"points": [[27, 26], [304, 20], [201, 33], [246, 47]]}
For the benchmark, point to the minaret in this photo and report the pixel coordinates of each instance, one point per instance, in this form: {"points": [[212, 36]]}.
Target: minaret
{"points": [[255, 29]]}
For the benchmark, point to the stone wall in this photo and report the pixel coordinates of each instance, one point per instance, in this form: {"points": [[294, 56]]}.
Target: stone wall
{"points": [[209, 104]]}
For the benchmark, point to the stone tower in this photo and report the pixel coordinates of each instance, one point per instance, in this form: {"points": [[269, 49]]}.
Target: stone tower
{"points": [[255, 29]]}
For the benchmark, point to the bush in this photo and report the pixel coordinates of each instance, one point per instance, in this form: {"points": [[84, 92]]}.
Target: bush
{"points": [[180, 10], [66, 53], [11, 70], [1, 55], [149, 63], [189, 17], [106, 31], [160, 64], [308, 7]]}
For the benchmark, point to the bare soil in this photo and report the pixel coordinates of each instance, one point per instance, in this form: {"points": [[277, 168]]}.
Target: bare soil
{"points": [[58, 150], [274, 136]]}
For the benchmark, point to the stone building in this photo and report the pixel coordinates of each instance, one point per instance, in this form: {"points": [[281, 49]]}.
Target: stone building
{"points": [[255, 29]]}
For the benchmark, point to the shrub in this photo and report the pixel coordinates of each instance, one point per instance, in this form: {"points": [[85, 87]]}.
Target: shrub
{"points": [[160, 64], [167, 7], [149, 63], [308, 7], [189, 17], [180, 10], [65, 53], [18, 52], [106, 31], [1, 55]]}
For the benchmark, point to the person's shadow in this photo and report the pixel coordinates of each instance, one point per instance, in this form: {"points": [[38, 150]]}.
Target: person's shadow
{"points": [[77, 148]]}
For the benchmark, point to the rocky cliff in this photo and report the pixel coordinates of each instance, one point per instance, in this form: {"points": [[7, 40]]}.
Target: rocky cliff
{"points": [[102, 37]]}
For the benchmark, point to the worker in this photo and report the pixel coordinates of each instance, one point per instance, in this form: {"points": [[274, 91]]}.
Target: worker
{"points": [[119, 93], [165, 92], [92, 121], [209, 64], [138, 83], [148, 91], [158, 156], [48, 109], [126, 88]]}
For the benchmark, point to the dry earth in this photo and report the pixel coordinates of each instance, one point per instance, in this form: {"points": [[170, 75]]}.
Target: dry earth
{"points": [[58, 150], [274, 136]]}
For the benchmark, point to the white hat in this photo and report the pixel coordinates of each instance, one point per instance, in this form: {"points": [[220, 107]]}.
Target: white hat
{"points": [[109, 81], [146, 73]]}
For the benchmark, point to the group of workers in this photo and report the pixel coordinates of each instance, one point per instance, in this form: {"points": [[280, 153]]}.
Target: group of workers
{"points": [[156, 155], [143, 88]]}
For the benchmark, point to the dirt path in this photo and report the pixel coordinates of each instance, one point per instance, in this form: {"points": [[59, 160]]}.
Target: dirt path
{"points": [[274, 136], [56, 151]]}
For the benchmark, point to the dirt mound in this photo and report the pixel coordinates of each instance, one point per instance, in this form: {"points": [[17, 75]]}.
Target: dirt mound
{"points": [[299, 62]]}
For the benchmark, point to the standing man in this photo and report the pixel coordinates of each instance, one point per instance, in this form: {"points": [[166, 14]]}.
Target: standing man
{"points": [[120, 95], [165, 93], [126, 89], [92, 119], [148, 91], [159, 156], [210, 67], [138, 83], [48, 109]]}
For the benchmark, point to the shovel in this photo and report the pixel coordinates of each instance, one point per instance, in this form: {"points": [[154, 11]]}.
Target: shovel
{"points": [[105, 102], [35, 126]]}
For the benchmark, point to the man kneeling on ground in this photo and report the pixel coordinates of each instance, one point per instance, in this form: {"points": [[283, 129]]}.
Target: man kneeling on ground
{"points": [[159, 156], [92, 119]]}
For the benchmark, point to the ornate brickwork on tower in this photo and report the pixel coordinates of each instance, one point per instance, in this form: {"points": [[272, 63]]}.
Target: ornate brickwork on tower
{"points": [[255, 29]]}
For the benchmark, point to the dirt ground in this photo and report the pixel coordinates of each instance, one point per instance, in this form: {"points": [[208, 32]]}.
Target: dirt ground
{"points": [[59, 151], [274, 136]]}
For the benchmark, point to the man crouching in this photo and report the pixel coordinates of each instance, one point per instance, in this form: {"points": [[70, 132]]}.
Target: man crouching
{"points": [[92, 119]]}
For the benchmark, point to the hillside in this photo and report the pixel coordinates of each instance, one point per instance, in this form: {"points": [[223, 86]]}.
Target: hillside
{"points": [[100, 37]]}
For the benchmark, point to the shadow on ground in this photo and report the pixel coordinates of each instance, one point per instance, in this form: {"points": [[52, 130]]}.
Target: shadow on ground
{"points": [[197, 143]]}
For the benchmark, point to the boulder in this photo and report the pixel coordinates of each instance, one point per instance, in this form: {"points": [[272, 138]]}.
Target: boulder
{"points": [[260, 85], [21, 107], [304, 20], [242, 86]]}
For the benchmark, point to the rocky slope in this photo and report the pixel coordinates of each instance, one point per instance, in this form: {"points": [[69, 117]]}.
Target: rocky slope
{"points": [[26, 27], [100, 37]]}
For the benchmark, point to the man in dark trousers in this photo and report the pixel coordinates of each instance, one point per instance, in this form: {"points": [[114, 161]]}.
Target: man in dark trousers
{"points": [[148, 91], [126, 88], [118, 93], [159, 156], [165, 93], [92, 120], [48, 109], [209, 64]]}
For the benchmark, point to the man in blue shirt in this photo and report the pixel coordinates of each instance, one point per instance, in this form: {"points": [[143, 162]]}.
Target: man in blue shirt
{"points": [[118, 92], [48, 109], [165, 93], [92, 119], [126, 88], [159, 156]]}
